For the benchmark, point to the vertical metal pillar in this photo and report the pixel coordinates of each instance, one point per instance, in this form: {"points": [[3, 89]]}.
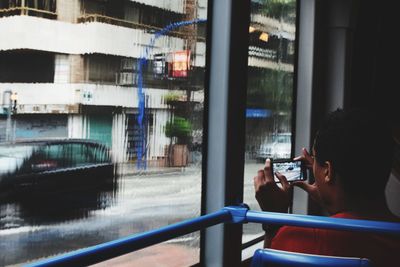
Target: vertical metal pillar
{"points": [[226, 83], [304, 93], [23, 11], [340, 33]]}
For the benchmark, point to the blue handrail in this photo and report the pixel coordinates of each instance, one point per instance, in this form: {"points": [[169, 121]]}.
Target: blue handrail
{"points": [[231, 214], [118, 247], [323, 222]]}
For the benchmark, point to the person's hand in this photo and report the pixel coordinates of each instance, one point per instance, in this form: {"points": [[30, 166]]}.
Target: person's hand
{"points": [[269, 195], [306, 158], [311, 189]]}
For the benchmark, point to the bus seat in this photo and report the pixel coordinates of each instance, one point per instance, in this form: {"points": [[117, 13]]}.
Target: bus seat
{"points": [[279, 258]]}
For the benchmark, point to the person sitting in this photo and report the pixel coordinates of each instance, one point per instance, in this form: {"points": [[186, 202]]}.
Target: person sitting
{"points": [[351, 161]]}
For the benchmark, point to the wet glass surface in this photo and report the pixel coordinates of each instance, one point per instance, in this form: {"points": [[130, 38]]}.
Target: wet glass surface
{"points": [[269, 93], [43, 224], [101, 123]]}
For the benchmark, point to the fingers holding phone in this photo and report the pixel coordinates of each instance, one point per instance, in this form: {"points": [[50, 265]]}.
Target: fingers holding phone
{"points": [[282, 179], [269, 195], [269, 177], [306, 158], [264, 176], [308, 161]]}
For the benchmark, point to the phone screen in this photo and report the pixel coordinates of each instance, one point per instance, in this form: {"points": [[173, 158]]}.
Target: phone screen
{"points": [[292, 170]]}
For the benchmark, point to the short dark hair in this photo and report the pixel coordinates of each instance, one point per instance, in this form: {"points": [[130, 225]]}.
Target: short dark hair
{"points": [[360, 148]]}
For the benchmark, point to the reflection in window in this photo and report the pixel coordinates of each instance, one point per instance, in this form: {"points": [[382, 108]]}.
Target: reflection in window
{"points": [[101, 122], [269, 92]]}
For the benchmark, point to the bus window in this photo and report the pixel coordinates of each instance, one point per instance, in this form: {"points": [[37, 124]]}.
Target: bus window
{"points": [[109, 82], [269, 93]]}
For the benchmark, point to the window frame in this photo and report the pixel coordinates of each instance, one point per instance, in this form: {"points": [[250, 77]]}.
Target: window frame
{"points": [[223, 152], [224, 113]]}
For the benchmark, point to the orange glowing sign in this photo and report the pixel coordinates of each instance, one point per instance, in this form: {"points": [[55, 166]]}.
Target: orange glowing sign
{"points": [[180, 63]]}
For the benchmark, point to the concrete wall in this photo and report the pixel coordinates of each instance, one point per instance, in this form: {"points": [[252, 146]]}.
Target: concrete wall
{"points": [[202, 9], [62, 69], [63, 97], [69, 69], [67, 38], [68, 10], [77, 68]]}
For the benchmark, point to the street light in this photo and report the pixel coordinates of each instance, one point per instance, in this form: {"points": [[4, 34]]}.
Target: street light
{"points": [[12, 109], [13, 102]]}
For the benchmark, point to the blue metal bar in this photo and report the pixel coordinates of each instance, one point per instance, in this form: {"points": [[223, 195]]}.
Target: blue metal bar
{"points": [[322, 222], [232, 214], [267, 257], [115, 248]]}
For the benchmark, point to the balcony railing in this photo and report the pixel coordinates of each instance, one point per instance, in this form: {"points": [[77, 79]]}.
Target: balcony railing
{"points": [[134, 25], [27, 11]]}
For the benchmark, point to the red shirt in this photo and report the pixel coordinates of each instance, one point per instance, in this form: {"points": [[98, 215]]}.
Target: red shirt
{"points": [[383, 250]]}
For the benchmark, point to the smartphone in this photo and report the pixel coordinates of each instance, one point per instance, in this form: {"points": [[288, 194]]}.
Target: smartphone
{"points": [[292, 170]]}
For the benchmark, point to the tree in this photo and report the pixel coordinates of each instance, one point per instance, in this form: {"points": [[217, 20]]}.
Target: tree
{"points": [[280, 9], [180, 128]]}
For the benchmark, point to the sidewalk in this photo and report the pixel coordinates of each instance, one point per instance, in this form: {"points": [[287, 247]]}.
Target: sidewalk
{"points": [[130, 168]]}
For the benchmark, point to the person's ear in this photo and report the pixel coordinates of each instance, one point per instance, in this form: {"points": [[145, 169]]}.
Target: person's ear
{"points": [[328, 172]]}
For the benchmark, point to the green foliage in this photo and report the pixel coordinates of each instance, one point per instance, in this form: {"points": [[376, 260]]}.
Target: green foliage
{"points": [[270, 89], [180, 128], [279, 8], [171, 96]]}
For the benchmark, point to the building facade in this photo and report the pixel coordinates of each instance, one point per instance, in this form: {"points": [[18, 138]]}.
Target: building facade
{"points": [[74, 71]]}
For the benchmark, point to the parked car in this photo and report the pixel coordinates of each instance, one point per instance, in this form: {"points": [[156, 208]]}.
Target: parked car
{"points": [[276, 146], [55, 164]]}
